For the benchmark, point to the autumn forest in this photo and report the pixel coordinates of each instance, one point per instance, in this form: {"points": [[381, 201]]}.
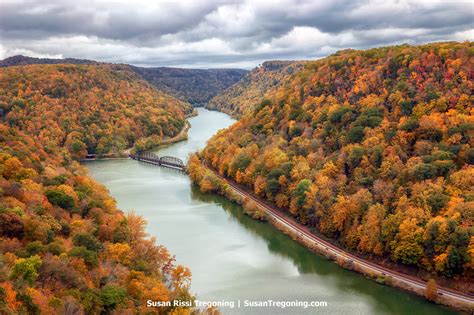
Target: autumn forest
{"points": [[370, 149], [64, 244]]}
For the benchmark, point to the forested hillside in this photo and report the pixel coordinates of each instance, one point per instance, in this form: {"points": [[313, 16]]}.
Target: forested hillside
{"points": [[64, 246], [20, 60], [196, 86], [371, 148], [241, 97], [95, 109]]}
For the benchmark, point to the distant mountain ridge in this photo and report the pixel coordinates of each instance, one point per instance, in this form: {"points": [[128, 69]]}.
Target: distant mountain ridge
{"points": [[195, 86], [20, 60]]}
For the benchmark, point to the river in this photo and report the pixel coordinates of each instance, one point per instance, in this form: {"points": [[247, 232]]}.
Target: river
{"points": [[232, 256]]}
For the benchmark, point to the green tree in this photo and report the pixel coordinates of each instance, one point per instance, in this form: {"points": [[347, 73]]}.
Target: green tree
{"points": [[26, 269], [355, 134], [88, 241], [300, 191], [60, 198], [112, 296], [89, 256]]}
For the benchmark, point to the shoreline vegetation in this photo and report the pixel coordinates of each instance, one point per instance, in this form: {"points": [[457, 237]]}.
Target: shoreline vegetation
{"points": [[388, 131], [65, 247], [372, 149], [149, 144], [209, 181], [152, 143]]}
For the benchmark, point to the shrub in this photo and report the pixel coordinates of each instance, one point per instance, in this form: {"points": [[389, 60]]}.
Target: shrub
{"points": [[431, 292], [253, 210]]}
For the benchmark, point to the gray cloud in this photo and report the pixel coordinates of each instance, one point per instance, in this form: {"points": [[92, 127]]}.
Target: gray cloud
{"points": [[222, 33]]}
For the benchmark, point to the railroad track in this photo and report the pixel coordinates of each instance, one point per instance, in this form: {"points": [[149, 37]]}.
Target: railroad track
{"points": [[306, 234]]}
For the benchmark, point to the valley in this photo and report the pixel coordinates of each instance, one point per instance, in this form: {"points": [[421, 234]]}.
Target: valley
{"points": [[363, 157], [228, 251]]}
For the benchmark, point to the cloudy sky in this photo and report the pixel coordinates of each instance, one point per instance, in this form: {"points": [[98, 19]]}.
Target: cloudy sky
{"points": [[222, 33]]}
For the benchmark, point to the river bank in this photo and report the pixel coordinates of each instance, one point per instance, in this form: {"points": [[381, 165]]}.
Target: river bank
{"points": [[260, 210], [181, 136], [232, 256]]}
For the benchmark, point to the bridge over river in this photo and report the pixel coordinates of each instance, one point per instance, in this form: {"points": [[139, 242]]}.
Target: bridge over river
{"points": [[258, 260], [164, 161]]}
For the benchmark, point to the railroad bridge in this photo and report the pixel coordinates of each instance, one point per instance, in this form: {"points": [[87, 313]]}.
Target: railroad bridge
{"points": [[164, 161]]}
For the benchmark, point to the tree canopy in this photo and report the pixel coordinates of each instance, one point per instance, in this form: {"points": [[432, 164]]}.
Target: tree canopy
{"points": [[371, 148]]}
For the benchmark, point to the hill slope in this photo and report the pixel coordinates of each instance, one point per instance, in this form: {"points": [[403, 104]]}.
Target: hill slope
{"points": [[95, 109], [241, 97], [371, 148], [20, 60], [195, 86], [64, 245]]}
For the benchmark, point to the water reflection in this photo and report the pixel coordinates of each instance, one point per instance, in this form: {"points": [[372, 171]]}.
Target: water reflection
{"points": [[233, 256], [308, 262]]}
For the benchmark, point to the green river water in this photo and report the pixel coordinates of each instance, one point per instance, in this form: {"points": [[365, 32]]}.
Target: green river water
{"points": [[233, 257]]}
